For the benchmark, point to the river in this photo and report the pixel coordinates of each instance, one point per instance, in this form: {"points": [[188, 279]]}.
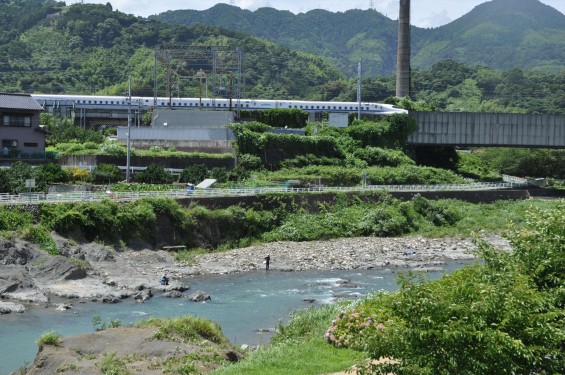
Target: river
{"points": [[245, 305]]}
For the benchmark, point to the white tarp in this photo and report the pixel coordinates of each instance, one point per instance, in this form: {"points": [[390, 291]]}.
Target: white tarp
{"points": [[206, 183]]}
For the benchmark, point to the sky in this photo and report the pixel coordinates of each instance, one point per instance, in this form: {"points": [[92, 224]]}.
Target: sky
{"points": [[424, 13]]}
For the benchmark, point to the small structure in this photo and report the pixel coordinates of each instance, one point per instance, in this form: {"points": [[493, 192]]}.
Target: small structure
{"points": [[185, 130], [20, 134]]}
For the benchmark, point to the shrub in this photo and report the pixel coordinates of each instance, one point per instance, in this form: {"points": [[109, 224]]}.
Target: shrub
{"points": [[106, 174], [154, 174], [113, 148], [249, 162], [40, 236], [376, 156], [194, 173], [14, 219], [220, 174]]}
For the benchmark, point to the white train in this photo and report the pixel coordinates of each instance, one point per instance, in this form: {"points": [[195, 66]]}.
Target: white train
{"points": [[121, 103]]}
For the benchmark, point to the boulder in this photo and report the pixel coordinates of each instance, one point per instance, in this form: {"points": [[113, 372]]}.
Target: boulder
{"points": [[199, 296], [174, 294], [10, 307], [57, 268]]}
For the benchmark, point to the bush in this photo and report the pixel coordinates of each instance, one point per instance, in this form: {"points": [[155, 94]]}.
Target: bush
{"points": [[196, 173], [220, 174], [376, 156], [249, 162], [106, 174], [14, 219], [114, 149]]}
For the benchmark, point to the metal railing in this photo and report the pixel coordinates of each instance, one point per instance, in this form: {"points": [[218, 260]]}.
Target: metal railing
{"points": [[85, 196]]}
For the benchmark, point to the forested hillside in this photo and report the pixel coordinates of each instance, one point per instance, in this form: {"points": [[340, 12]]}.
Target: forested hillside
{"points": [[48, 47], [500, 34]]}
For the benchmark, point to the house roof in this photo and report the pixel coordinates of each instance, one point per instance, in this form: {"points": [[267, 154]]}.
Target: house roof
{"points": [[19, 101]]}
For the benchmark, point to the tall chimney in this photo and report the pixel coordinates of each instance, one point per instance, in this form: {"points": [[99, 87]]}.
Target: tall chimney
{"points": [[403, 53]]}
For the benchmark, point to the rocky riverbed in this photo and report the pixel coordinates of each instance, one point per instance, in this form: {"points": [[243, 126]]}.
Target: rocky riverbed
{"points": [[100, 273]]}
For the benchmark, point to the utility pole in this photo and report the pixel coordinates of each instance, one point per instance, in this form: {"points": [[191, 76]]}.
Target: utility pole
{"points": [[129, 133], [359, 91], [403, 53]]}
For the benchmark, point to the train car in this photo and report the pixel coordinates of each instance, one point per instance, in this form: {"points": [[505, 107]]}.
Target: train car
{"points": [[121, 103]]}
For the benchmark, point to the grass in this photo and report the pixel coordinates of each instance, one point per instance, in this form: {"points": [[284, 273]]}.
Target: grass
{"points": [[186, 329], [496, 217], [299, 348], [49, 338], [188, 256], [111, 365]]}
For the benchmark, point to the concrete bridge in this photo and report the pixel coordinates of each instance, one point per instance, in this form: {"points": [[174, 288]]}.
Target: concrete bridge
{"points": [[488, 129]]}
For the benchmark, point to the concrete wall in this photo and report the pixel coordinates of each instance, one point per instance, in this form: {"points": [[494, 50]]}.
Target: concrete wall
{"points": [[488, 129]]}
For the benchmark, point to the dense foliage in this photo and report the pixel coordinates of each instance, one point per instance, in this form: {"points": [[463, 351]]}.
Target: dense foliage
{"points": [[90, 48], [279, 117], [502, 316]]}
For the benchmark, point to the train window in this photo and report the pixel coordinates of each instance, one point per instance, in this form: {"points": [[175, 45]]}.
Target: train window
{"points": [[339, 107], [317, 107], [112, 102], [207, 104], [290, 106], [334, 107], [247, 105]]}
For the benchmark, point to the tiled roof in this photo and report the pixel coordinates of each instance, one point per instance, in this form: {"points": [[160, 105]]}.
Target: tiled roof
{"points": [[19, 101]]}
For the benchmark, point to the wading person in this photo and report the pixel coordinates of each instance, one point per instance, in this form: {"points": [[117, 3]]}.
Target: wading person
{"points": [[267, 261]]}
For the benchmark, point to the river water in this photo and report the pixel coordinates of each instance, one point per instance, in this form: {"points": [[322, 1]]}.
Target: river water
{"points": [[245, 305]]}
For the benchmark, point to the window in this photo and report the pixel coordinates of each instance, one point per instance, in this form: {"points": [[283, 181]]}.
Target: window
{"points": [[17, 120], [9, 143], [30, 144]]}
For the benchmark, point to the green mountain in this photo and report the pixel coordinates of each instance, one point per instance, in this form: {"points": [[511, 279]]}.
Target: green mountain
{"points": [[500, 34], [343, 38], [46, 46]]}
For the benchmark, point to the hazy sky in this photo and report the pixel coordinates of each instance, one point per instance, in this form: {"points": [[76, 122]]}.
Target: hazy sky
{"points": [[425, 13]]}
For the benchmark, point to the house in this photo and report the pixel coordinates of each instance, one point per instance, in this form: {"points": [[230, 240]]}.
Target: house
{"points": [[21, 136]]}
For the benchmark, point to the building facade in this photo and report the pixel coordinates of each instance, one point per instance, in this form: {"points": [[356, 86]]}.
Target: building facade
{"points": [[20, 133]]}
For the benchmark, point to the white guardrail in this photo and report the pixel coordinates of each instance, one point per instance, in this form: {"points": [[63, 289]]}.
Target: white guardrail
{"points": [[27, 198]]}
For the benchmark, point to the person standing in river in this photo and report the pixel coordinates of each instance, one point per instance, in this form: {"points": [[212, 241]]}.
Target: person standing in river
{"points": [[267, 261]]}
